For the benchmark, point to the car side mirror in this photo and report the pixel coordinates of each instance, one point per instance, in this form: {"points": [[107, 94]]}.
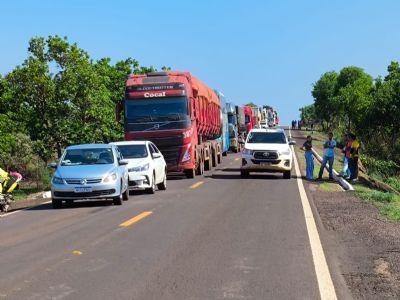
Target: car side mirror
{"points": [[53, 165], [292, 143], [156, 155], [123, 162]]}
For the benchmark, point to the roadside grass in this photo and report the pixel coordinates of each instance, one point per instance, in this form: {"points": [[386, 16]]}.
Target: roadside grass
{"points": [[387, 203], [23, 193], [318, 140], [394, 182], [323, 186]]}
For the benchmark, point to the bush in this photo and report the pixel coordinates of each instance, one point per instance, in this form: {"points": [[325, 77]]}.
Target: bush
{"points": [[380, 168]]}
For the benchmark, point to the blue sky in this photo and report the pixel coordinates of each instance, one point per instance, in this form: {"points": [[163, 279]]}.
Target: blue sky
{"points": [[268, 52]]}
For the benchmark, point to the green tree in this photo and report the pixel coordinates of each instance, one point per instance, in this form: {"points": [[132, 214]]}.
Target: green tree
{"points": [[353, 96], [324, 92]]}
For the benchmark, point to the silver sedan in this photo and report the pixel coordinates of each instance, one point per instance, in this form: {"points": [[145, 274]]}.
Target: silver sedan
{"points": [[90, 171]]}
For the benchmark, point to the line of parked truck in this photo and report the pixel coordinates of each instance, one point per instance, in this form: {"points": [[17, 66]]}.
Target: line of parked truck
{"points": [[173, 124], [192, 124]]}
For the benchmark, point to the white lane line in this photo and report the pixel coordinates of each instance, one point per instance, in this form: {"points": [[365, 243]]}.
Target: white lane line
{"points": [[17, 211], [325, 284]]}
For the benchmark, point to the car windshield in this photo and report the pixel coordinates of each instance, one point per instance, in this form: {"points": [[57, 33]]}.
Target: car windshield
{"points": [[156, 114], [156, 109], [133, 151], [266, 138], [94, 156]]}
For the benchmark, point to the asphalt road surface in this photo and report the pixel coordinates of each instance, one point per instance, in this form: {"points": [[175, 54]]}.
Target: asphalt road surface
{"points": [[213, 237]]}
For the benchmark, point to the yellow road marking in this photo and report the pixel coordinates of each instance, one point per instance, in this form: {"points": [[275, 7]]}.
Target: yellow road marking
{"points": [[196, 185], [77, 252], [136, 219], [237, 158]]}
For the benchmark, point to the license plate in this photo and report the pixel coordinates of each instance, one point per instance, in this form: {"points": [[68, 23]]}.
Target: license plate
{"points": [[83, 190], [265, 163]]}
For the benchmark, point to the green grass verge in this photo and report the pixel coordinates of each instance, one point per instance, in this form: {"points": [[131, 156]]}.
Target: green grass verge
{"points": [[23, 193], [387, 203]]}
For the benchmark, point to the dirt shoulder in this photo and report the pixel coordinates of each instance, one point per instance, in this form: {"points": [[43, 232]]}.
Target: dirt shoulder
{"points": [[365, 244]]}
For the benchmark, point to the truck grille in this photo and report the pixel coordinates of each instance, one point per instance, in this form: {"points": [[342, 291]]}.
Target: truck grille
{"points": [[170, 147], [80, 180], [272, 162], [171, 154], [266, 155]]}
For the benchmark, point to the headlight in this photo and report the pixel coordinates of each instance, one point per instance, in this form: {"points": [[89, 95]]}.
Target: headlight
{"points": [[139, 168], [247, 151], [110, 178], [58, 180], [286, 152]]}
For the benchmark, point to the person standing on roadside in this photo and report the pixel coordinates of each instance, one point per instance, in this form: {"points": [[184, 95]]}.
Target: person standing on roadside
{"points": [[353, 159], [307, 147], [346, 157], [329, 156]]}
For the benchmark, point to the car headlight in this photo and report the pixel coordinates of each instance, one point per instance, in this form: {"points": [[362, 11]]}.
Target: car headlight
{"points": [[57, 180], [139, 168], [286, 152], [110, 178], [247, 151]]}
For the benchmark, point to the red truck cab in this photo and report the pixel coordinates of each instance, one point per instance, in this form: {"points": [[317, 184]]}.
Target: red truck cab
{"points": [[248, 116], [178, 113]]}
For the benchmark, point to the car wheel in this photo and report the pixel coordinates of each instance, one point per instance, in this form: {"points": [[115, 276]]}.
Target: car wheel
{"points": [[153, 186], [125, 195], [56, 203], [163, 185], [287, 174], [244, 174], [117, 200]]}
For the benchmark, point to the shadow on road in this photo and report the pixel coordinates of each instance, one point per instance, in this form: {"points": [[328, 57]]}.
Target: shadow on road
{"points": [[75, 204]]}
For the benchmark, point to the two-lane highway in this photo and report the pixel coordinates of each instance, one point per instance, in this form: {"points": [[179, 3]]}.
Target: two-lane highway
{"points": [[213, 237]]}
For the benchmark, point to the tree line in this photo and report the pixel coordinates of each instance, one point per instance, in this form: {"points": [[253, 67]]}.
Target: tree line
{"points": [[59, 96], [354, 101]]}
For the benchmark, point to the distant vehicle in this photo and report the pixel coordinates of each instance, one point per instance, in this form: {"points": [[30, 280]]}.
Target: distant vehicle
{"points": [[224, 138], [146, 165], [249, 118], [90, 171], [263, 124], [267, 150], [236, 126], [179, 114]]}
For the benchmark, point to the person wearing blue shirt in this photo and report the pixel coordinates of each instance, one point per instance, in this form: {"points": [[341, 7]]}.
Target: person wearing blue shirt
{"points": [[329, 156]]}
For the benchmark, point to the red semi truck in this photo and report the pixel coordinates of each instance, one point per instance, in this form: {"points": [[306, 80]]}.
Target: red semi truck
{"points": [[249, 118], [179, 114]]}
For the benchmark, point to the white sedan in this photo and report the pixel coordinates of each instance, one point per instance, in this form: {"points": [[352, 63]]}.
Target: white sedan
{"points": [[146, 165]]}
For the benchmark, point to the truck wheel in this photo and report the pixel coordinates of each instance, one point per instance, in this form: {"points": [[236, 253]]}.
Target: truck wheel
{"points": [[56, 203], [244, 174], [190, 173], [207, 165], [287, 175], [153, 186], [163, 185], [200, 168]]}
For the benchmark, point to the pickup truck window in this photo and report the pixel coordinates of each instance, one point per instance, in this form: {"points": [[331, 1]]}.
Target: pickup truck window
{"points": [[266, 138]]}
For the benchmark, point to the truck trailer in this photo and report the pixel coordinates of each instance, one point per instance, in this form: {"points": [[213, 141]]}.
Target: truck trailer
{"points": [[237, 126], [179, 114], [224, 139]]}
